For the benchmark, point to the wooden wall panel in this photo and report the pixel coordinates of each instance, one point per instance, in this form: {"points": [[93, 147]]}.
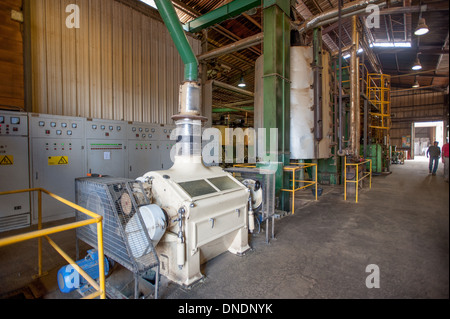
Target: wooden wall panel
{"points": [[12, 94], [121, 64]]}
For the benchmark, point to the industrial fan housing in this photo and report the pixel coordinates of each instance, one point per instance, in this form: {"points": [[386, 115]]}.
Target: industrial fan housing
{"points": [[131, 225]]}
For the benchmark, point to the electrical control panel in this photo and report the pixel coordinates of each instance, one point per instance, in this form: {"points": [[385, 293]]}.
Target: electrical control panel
{"points": [[143, 142], [106, 151], [57, 158], [167, 141], [14, 172]]}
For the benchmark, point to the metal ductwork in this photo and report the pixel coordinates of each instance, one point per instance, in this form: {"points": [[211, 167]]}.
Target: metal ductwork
{"points": [[348, 10], [170, 18]]}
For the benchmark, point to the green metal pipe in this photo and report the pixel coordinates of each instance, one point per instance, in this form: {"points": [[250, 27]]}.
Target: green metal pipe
{"points": [[239, 109], [173, 24]]}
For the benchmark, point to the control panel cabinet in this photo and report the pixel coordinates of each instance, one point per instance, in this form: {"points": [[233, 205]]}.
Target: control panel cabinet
{"points": [[166, 143], [14, 172], [58, 158], [106, 147], [143, 148]]}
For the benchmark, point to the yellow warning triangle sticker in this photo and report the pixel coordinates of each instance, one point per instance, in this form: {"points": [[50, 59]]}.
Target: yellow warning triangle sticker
{"points": [[6, 161], [63, 161]]}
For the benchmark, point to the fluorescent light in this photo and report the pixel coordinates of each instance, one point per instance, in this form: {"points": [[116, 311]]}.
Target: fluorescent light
{"points": [[346, 56], [360, 50], [151, 3], [391, 44], [422, 28], [416, 84]]}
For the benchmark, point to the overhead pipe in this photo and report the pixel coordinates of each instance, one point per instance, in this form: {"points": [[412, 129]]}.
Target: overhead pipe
{"points": [[317, 69], [348, 10], [340, 108], [236, 46], [232, 88], [354, 93]]}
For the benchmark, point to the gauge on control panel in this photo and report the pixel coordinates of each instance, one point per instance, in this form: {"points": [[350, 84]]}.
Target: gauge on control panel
{"points": [[53, 124]]}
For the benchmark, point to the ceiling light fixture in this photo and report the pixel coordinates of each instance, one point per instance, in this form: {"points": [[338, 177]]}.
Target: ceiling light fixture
{"points": [[422, 28], [417, 66], [416, 84], [242, 83]]}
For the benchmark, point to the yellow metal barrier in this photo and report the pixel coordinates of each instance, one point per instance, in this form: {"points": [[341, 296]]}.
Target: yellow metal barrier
{"points": [[295, 167], [357, 179], [96, 219]]}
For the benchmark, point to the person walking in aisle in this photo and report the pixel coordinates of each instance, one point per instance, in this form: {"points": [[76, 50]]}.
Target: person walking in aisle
{"points": [[445, 159], [433, 152]]}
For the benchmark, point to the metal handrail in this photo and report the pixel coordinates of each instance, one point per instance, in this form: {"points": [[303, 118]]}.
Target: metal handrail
{"points": [[96, 219], [308, 183], [357, 179]]}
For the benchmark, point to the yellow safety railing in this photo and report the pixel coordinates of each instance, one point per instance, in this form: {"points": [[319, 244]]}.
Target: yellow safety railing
{"points": [[357, 179], [293, 168], [96, 219], [249, 165]]}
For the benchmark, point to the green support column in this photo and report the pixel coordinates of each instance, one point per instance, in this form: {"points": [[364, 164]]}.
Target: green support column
{"points": [[277, 87]]}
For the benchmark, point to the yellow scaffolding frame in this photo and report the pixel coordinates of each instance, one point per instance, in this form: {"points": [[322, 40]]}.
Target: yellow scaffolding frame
{"points": [[357, 180], [378, 92], [293, 168], [96, 219]]}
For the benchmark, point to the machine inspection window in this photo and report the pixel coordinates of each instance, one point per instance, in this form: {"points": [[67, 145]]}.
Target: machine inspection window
{"points": [[197, 188], [223, 183]]}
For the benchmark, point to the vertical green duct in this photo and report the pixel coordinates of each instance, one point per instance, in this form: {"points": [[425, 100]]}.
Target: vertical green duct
{"points": [[277, 86], [173, 24]]}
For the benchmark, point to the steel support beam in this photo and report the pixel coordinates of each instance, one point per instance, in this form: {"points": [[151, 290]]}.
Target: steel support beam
{"points": [[220, 14], [276, 85]]}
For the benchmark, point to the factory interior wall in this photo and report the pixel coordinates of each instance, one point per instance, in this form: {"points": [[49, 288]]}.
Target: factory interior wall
{"points": [[12, 94], [118, 64]]}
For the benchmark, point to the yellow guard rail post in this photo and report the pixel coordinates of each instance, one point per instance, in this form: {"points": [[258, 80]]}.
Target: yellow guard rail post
{"points": [[96, 219], [357, 179], [293, 168]]}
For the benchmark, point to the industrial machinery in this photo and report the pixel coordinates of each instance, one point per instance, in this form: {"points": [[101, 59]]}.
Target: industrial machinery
{"points": [[132, 226], [206, 207], [261, 183], [14, 208]]}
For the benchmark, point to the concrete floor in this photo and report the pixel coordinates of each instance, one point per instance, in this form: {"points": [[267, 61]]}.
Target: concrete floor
{"points": [[322, 251]]}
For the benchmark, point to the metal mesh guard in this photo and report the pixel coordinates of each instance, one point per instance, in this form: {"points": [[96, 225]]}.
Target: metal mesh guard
{"points": [[125, 238]]}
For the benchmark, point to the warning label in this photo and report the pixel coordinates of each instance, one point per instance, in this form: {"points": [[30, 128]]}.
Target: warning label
{"points": [[6, 160], [58, 160]]}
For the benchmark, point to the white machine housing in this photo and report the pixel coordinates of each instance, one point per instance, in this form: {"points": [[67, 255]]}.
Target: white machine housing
{"points": [[207, 215]]}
